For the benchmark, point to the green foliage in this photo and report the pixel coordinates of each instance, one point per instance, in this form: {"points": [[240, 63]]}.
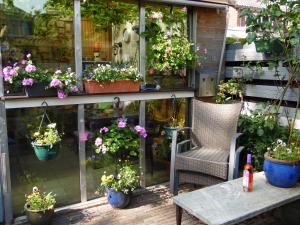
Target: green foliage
{"points": [[168, 48], [47, 135], [230, 90], [40, 201], [232, 40], [126, 180], [103, 73], [103, 13], [260, 130], [280, 150]]}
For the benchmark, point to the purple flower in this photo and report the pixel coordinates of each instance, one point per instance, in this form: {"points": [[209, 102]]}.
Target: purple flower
{"points": [[55, 83], [74, 89], [61, 94], [15, 64], [28, 56], [121, 123], [141, 131], [58, 72], [104, 130], [23, 62], [30, 68], [27, 82], [84, 136], [98, 141]]}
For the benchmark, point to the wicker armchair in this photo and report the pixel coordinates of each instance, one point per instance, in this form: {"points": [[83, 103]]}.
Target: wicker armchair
{"points": [[212, 155]]}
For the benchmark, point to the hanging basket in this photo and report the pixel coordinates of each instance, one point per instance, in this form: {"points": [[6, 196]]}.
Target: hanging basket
{"points": [[46, 152]]}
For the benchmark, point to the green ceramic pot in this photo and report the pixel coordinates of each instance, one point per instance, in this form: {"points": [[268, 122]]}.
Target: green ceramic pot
{"points": [[46, 152], [169, 131], [39, 217]]}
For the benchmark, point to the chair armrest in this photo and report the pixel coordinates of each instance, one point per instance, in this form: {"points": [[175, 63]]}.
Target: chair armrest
{"points": [[237, 161], [180, 144], [232, 156]]}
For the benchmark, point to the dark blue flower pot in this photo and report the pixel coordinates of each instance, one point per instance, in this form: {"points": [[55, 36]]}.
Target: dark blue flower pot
{"points": [[118, 199], [281, 173]]}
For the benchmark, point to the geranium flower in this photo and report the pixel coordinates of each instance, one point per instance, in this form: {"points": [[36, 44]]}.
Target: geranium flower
{"points": [[141, 131], [27, 82], [61, 94], [55, 83], [104, 130], [74, 89], [30, 68]]}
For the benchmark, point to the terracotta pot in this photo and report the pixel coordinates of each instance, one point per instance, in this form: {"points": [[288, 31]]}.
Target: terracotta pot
{"points": [[118, 86]]}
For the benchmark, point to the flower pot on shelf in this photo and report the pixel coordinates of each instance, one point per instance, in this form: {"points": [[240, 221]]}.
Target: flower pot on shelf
{"points": [[40, 90], [281, 173], [39, 217], [118, 86], [46, 152], [118, 199]]}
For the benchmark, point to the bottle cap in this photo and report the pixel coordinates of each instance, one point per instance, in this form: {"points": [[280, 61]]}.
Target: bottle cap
{"points": [[249, 158]]}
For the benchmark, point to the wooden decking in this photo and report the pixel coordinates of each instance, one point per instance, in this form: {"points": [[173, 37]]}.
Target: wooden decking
{"points": [[151, 207]]}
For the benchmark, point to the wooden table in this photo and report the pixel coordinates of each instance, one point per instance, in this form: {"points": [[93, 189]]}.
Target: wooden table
{"points": [[226, 203]]}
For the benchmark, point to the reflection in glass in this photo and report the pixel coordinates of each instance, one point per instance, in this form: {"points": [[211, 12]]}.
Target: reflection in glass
{"points": [[159, 117], [59, 175]]}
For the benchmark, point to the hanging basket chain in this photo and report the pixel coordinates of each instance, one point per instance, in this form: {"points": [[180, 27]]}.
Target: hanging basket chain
{"points": [[45, 115]]}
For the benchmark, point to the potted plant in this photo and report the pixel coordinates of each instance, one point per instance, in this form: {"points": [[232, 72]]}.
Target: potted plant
{"points": [[64, 83], [24, 75], [120, 187], [122, 141], [282, 164], [39, 207], [111, 79], [46, 142]]}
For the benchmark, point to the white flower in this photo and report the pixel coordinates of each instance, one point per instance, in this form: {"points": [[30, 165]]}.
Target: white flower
{"points": [[279, 142], [52, 125]]}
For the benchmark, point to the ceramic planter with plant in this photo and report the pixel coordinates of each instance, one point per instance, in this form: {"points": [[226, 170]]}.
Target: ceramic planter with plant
{"points": [[173, 123], [25, 75], [122, 141], [120, 187], [64, 82], [46, 142], [39, 207], [282, 164], [112, 79]]}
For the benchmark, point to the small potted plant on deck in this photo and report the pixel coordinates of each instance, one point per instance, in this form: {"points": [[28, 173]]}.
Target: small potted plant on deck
{"points": [[39, 207], [282, 164], [46, 142], [112, 79], [122, 141]]}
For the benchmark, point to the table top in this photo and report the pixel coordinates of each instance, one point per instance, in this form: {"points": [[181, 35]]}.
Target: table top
{"points": [[226, 203]]}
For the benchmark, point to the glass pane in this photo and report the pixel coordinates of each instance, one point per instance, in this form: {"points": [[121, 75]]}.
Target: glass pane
{"points": [[161, 117], [102, 115], [59, 175], [167, 46]]}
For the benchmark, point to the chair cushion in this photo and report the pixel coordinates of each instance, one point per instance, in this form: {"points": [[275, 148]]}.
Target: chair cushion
{"points": [[205, 160]]}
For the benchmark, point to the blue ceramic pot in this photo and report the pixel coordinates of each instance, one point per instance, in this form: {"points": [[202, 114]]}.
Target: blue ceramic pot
{"points": [[118, 199], [169, 131], [281, 173]]}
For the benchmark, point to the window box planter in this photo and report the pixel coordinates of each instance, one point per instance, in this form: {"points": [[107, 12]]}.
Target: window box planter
{"points": [[40, 90], [281, 173], [39, 217], [118, 86]]}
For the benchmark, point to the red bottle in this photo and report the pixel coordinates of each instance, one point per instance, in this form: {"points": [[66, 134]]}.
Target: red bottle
{"points": [[248, 175]]}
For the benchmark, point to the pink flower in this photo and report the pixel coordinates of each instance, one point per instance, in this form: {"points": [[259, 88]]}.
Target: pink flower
{"points": [[8, 72], [151, 70], [74, 89], [205, 50], [104, 130], [103, 148], [84, 136], [23, 62], [98, 141], [28, 56], [184, 9], [27, 82], [55, 83], [30, 68], [61, 94], [121, 123], [141, 131]]}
